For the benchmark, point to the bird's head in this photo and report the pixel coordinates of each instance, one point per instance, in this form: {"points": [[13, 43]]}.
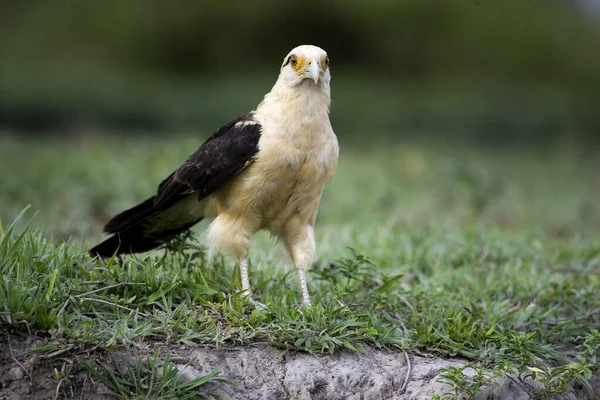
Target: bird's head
{"points": [[306, 65]]}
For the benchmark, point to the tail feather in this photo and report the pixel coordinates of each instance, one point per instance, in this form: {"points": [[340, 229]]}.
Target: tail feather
{"points": [[140, 228], [132, 216], [129, 241], [136, 240]]}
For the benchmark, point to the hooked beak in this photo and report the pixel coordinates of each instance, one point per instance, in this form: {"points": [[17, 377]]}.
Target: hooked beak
{"points": [[313, 72]]}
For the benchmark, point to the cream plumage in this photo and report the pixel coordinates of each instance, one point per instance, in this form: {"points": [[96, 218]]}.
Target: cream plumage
{"points": [[264, 170]]}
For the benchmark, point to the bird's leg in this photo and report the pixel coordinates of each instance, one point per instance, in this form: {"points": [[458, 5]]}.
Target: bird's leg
{"points": [[300, 242], [304, 287], [246, 289], [244, 274]]}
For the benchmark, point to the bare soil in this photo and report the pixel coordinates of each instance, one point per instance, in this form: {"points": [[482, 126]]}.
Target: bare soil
{"points": [[258, 372]]}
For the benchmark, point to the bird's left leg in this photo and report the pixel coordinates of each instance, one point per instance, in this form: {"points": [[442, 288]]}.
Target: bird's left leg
{"points": [[230, 234], [301, 245]]}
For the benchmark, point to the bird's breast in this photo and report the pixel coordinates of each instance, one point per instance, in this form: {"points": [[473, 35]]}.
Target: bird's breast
{"points": [[288, 175], [285, 159]]}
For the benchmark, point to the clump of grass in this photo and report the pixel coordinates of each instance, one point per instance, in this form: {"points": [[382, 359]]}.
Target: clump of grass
{"points": [[552, 381], [468, 385], [150, 378], [556, 380]]}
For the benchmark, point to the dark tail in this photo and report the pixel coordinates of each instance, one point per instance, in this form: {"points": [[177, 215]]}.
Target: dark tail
{"points": [[132, 217], [138, 229], [129, 241]]}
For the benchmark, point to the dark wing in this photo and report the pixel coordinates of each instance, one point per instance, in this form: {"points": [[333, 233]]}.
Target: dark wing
{"points": [[220, 158], [225, 153]]}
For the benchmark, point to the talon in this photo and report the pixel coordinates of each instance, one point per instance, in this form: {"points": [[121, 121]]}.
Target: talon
{"points": [[248, 294], [244, 293], [258, 304]]}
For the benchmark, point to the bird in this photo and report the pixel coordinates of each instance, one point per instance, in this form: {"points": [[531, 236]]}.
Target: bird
{"points": [[263, 170]]}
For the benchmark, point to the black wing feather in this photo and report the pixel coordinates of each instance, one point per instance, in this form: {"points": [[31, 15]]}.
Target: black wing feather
{"points": [[222, 156]]}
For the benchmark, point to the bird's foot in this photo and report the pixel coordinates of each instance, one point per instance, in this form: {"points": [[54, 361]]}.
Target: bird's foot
{"points": [[262, 307], [305, 306], [248, 295], [246, 291]]}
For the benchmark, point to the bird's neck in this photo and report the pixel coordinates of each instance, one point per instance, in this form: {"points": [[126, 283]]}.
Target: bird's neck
{"points": [[297, 109]]}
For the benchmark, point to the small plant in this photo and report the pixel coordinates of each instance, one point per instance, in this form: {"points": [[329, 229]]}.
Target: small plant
{"points": [[63, 379], [469, 385], [320, 329], [590, 345], [346, 270], [556, 380], [185, 246], [149, 379]]}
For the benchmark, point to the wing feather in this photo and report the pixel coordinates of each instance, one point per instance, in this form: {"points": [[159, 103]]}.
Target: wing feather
{"points": [[222, 156]]}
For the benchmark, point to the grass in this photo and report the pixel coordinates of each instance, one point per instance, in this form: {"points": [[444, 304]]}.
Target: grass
{"points": [[494, 257], [153, 378]]}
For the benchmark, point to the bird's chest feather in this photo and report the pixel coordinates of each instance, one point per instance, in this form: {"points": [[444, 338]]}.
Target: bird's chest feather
{"points": [[285, 161], [291, 170]]}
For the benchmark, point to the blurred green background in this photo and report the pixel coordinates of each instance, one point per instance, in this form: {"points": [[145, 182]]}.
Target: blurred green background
{"points": [[468, 110], [490, 71]]}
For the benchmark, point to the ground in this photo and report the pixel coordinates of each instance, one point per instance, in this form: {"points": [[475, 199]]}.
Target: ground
{"points": [[480, 266]]}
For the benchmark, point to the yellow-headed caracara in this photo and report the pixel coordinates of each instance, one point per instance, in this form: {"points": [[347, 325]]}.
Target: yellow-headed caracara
{"points": [[263, 170]]}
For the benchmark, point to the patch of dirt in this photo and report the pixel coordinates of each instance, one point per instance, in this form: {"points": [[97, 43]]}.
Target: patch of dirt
{"points": [[26, 375], [259, 372]]}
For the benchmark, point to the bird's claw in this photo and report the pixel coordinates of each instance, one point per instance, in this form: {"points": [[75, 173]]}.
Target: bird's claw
{"points": [[258, 304], [248, 294]]}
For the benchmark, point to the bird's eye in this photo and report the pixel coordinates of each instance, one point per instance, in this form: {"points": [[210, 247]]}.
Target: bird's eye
{"points": [[293, 61], [326, 61]]}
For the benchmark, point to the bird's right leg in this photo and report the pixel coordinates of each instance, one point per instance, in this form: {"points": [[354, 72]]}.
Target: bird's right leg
{"points": [[246, 288], [300, 241]]}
